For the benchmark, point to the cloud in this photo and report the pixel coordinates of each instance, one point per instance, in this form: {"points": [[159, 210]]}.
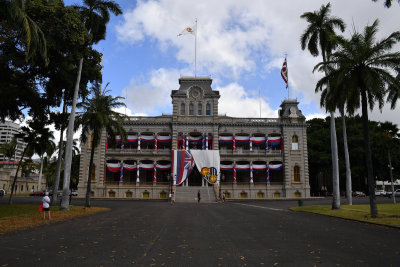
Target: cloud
{"points": [[236, 41], [236, 102]]}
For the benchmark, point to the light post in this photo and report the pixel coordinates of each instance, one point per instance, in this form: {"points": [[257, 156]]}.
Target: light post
{"points": [[391, 177]]}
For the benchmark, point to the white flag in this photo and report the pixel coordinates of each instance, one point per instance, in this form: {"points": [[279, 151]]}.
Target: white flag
{"points": [[188, 30]]}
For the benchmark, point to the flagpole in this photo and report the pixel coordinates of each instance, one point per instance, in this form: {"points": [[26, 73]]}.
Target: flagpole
{"points": [[287, 68], [195, 51]]}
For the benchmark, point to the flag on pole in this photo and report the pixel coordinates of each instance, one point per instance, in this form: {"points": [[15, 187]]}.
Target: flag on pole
{"points": [[284, 73], [188, 30]]}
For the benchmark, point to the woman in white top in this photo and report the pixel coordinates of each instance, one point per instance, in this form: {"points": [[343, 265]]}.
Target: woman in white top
{"points": [[46, 206]]}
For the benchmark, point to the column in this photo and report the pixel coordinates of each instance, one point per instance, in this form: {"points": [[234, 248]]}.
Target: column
{"points": [[138, 172], [234, 172], [121, 177], [138, 142], [155, 141], [155, 172], [234, 144], [206, 141], [251, 144], [251, 172]]}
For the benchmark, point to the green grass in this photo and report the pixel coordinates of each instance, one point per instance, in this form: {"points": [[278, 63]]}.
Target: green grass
{"points": [[388, 214], [21, 216]]}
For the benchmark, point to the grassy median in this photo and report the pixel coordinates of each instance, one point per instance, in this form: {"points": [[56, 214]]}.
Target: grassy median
{"points": [[389, 214], [21, 216]]}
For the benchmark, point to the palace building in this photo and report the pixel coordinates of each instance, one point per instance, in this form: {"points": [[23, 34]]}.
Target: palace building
{"points": [[259, 157]]}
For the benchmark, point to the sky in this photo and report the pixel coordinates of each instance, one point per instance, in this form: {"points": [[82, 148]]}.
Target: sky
{"points": [[241, 45]]}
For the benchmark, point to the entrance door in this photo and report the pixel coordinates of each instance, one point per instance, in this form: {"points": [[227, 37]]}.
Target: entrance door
{"points": [[195, 178]]}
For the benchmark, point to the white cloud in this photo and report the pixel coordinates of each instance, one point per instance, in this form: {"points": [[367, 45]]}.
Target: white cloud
{"points": [[238, 39], [236, 102]]}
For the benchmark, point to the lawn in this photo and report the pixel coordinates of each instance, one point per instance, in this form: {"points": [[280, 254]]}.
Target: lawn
{"points": [[20, 216], [388, 214]]}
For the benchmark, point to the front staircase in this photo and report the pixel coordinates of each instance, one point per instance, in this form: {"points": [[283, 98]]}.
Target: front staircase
{"points": [[188, 194]]}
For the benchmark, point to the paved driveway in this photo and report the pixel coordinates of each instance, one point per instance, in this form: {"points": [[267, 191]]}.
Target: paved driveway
{"points": [[141, 233]]}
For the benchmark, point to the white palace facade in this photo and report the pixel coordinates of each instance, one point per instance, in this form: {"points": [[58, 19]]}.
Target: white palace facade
{"points": [[260, 158]]}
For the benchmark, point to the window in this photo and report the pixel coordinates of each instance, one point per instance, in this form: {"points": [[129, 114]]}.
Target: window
{"points": [[191, 109], [93, 176], [208, 109], [296, 174], [295, 142], [183, 109], [200, 109]]}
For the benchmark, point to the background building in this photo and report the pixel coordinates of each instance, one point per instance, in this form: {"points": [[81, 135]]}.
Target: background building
{"points": [[8, 130], [259, 157]]}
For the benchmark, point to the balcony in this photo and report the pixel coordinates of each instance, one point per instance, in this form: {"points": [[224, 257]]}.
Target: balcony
{"points": [[130, 151]]}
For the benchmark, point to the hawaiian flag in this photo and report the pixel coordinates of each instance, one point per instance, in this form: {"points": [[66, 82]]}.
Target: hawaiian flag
{"points": [[182, 165], [284, 73]]}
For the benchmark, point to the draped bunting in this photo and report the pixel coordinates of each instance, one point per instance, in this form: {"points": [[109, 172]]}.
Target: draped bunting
{"points": [[163, 139], [274, 141], [226, 167], [147, 138], [132, 138], [275, 167], [163, 167], [242, 167], [259, 167], [128, 167], [113, 167], [144, 166], [258, 139], [242, 139], [226, 139], [118, 139]]}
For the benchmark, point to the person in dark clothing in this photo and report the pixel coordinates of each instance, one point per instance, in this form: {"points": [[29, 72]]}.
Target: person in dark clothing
{"points": [[198, 197]]}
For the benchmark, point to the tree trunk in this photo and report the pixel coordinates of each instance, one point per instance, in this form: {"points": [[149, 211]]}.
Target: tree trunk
{"points": [[40, 173], [89, 181], [347, 160], [368, 156], [334, 149], [58, 167], [68, 147], [15, 177]]}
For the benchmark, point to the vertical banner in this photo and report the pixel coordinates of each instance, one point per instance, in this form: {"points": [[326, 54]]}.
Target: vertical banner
{"points": [[182, 165], [202, 143], [266, 144], [105, 172], [234, 174], [207, 141], [267, 172], [138, 172], [251, 145], [251, 172], [138, 143], [155, 172], [121, 176], [234, 143]]}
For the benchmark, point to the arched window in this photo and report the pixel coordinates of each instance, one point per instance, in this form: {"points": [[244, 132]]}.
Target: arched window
{"points": [[200, 109], [208, 109], [183, 109], [296, 174], [295, 142], [93, 176], [191, 109]]}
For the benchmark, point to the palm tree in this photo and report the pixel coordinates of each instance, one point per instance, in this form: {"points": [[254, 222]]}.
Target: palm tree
{"points": [[35, 136], [8, 149], [98, 115], [364, 69], [318, 36], [96, 15], [16, 16]]}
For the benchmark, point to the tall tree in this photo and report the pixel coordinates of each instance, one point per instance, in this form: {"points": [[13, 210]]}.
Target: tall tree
{"points": [[318, 36], [364, 68], [8, 149], [98, 115], [16, 16], [34, 136], [96, 15]]}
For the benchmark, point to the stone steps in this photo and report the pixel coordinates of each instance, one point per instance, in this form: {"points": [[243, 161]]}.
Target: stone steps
{"points": [[188, 194]]}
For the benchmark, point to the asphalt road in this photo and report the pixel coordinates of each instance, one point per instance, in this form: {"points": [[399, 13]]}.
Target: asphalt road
{"points": [[139, 233]]}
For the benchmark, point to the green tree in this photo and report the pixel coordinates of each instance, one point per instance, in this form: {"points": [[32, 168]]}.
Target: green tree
{"points": [[35, 136], [14, 15], [98, 115], [96, 15], [363, 67], [318, 36], [8, 149]]}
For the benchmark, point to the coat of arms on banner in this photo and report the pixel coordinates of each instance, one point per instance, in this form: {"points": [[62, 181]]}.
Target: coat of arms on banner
{"points": [[210, 174]]}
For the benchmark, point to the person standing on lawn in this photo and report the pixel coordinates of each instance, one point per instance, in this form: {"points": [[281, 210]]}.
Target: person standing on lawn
{"points": [[46, 206]]}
